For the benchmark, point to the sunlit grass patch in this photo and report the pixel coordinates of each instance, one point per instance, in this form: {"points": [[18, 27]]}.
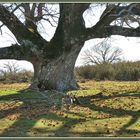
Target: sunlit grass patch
{"points": [[84, 92], [109, 84], [14, 86]]}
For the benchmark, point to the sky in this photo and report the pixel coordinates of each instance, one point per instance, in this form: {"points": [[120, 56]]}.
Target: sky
{"points": [[130, 45]]}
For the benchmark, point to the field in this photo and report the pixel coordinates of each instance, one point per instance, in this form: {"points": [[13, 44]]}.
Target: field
{"points": [[106, 109]]}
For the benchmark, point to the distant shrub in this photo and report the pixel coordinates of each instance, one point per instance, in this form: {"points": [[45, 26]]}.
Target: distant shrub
{"points": [[86, 72], [122, 71], [19, 77]]}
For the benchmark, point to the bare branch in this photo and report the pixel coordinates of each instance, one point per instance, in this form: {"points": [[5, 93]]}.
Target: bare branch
{"points": [[110, 14], [12, 67], [33, 9], [117, 30], [1, 27], [13, 23]]}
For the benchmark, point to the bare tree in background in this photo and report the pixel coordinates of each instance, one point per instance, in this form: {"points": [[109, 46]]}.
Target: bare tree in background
{"points": [[9, 71], [102, 53], [10, 67]]}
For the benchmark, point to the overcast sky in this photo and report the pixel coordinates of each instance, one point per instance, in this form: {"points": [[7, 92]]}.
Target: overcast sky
{"points": [[129, 46]]}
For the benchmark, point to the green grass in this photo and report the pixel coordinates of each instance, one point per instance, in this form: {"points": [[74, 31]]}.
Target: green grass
{"points": [[113, 113]]}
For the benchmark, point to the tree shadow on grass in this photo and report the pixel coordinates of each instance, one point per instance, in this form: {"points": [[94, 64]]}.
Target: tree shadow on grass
{"points": [[103, 97], [86, 102], [125, 128], [29, 114], [23, 125]]}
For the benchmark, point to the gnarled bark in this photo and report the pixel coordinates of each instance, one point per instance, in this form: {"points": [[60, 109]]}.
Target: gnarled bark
{"points": [[58, 74]]}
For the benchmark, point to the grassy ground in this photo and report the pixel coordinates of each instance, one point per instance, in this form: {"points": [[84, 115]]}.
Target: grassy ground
{"points": [[106, 109]]}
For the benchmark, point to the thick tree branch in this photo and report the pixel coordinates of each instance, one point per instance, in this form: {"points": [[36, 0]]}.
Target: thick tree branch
{"points": [[26, 51], [110, 14], [18, 29], [117, 30], [11, 52]]}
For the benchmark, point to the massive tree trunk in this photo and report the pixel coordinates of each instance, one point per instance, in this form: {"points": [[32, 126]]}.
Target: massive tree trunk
{"points": [[57, 74], [57, 68]]}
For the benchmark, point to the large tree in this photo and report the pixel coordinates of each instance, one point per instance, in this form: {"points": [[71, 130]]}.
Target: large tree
{"points": [[54, 60]]}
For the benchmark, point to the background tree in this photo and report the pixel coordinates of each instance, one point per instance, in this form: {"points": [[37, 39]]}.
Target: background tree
{"points": [[12, 73], [102, 53], [9, 71], [54, 60], [11, 67]]}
